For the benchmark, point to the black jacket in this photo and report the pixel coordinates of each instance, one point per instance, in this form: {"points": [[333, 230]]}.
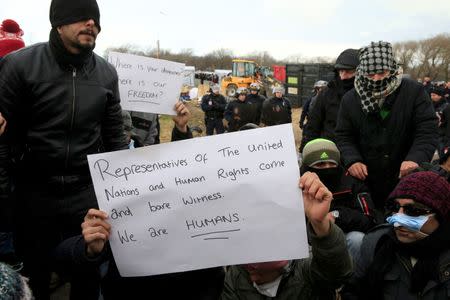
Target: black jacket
{"points": [[442, 109], [57, 115], [351, 199], [238, 113], [408, 133], [276, 111], [257, 100], [445, 126], [214, 106], [322, 117], [60, 113]]}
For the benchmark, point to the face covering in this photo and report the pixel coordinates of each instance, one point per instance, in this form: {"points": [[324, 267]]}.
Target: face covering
{"points": [[348, 84], [412, 223], [331, 177]]}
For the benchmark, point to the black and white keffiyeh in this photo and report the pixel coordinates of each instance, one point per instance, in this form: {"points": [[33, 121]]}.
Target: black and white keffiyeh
{"points": [[376, 58]]}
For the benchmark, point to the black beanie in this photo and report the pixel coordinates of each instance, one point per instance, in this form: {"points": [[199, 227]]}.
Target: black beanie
{"points": [[63, 12], [347, 60], [437, 90]]}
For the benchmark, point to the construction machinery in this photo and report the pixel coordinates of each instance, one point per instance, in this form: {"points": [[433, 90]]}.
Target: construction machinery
{"points": [[246, 72]]}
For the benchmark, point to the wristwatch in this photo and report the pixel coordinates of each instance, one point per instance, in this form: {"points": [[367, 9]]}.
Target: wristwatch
{"points": [[335, 213]]}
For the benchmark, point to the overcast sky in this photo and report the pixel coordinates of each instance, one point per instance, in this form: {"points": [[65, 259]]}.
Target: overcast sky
{"points": [[281, 27]]}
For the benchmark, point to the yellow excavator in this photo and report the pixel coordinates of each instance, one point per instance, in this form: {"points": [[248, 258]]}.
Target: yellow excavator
{"points": [[246, 72]]}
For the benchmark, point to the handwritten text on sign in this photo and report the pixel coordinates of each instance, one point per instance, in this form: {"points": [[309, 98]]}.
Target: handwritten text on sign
{"points": [[147, 84], [205, 202]]}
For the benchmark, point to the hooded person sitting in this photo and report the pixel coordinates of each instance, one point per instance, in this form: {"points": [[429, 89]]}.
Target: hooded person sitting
{"points": [[410, 257], [309, 278], [352, 208]]}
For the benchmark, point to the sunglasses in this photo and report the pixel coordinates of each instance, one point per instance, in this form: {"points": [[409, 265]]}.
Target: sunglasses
{"points": [[408, 209]]}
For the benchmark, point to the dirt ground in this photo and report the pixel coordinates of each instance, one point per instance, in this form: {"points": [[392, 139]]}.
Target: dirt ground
{"points": [[197, 119]]}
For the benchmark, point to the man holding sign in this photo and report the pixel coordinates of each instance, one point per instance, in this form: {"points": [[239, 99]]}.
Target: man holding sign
{"points": [[331, 265], [313, 278]]}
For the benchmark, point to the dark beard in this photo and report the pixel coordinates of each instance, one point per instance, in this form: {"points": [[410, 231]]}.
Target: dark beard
{"points": [[63, 56], [83, 47]]}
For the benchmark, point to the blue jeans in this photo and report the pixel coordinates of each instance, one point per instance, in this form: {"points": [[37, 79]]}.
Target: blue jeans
{"points": [[354, 241]]}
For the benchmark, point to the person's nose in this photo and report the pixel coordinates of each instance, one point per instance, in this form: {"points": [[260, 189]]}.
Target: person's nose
{"points": [[90, 23], [378, 76]]}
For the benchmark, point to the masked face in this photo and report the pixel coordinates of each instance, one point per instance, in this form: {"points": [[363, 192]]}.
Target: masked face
{"points": [[346, 74], [328, 173], [412, 221]]}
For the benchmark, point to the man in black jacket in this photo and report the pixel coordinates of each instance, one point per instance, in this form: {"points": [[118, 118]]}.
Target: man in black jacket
{"points": [[214, 106], [442, 109], [276, 110], [386, 125], [61, 102], [257, 100], [323, 115], [240, 111]]}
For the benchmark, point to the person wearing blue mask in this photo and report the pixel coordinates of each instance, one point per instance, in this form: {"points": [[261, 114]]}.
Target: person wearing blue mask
{"points": [[409, 258]]}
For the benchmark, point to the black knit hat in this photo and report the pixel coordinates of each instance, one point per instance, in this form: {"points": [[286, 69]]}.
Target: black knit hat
{"points": [[63, 12], [437, 90], [347, 60]]}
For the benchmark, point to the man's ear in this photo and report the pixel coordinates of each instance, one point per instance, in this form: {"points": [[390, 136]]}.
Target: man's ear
{"points": [[59, 29]]}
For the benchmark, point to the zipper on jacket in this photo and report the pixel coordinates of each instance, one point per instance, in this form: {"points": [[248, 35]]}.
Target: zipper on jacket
{"points": [[74, 75]]}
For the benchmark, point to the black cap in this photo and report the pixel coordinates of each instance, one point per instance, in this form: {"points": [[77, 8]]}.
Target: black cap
{"points": [[347, 60], [437, 90], [63, 12]]}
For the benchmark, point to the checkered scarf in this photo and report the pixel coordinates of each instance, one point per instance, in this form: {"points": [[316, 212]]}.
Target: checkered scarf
{"points": [[376, 58]]}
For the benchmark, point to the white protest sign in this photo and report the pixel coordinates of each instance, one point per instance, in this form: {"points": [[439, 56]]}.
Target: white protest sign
{"points": [[147, 84], [211, 201]]}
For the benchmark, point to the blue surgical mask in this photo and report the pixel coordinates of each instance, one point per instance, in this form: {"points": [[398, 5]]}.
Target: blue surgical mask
{"points": [[412, 223]]}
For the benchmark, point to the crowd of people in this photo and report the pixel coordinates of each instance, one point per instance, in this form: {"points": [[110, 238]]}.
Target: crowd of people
{"points": [[377, 204]]}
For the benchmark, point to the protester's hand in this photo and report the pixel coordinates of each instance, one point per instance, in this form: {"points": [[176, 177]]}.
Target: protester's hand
{"points": [[406, 167], [331, 217], [2, 124], [358, 170], [96, 231], [182, 117], [317, 200]]}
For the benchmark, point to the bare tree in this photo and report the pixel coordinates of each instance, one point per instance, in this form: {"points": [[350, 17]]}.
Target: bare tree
{"points": [[428, 57]]}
